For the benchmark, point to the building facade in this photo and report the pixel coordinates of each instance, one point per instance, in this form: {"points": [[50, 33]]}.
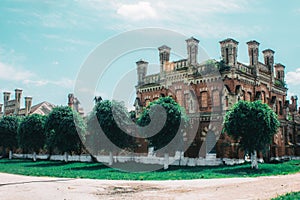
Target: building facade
{"points": [[208, 89], [13, 106]]}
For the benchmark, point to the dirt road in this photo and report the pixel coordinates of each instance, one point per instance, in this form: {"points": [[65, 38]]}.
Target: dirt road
{"points": [[16, 187]]}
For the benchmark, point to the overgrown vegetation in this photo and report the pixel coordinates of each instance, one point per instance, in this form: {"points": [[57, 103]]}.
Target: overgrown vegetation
{"points": [[280, 83], [222, 66]]}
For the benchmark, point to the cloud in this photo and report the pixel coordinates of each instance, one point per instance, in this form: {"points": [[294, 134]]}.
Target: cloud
{"points": [[204, 18], [55, 62], [293, 77], [10, 73], [297, 11], [71, 41], [139, 11], [63, 82]]}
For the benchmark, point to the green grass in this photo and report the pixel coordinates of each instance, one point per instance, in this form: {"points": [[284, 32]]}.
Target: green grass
{"points": [[100, 171], [289, 196]]}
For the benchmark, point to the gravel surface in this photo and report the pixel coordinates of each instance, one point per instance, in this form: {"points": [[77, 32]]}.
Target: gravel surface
{"points": [[17, 187]]}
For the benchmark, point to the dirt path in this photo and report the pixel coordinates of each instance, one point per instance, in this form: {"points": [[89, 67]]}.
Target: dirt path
{"points": [[16, 187]]}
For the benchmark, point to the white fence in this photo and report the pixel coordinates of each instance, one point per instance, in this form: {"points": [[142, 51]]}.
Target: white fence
{"points": [[177, 160]]}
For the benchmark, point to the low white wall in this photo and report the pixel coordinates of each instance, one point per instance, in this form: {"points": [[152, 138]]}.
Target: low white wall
{"points": [[177, 160]]}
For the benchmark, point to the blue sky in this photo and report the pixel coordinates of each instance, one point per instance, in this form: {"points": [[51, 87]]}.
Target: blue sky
{"points": [[43, 44]]}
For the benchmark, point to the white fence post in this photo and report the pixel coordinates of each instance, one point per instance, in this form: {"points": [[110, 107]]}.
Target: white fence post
{"points": [[110, 162], [34, 156], [66, 157], [166, 160], [10, 155]]}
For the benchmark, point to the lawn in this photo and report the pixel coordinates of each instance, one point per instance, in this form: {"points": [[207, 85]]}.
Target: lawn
{"points": [[100, 171], [289, 196]]}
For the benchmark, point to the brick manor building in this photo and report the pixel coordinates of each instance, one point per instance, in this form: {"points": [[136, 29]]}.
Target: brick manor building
{"points": [[13, 106], [208, 89]]}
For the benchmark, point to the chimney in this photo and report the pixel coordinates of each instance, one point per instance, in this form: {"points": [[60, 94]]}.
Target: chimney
{"points": [[71, 100], [18, 95], [294, 100], [28, 104], [279, 72], [253, 55], [141, 70], [269, 61], [269, 57], [164, 56], [192, 50], [6, 97], [229, 48]]}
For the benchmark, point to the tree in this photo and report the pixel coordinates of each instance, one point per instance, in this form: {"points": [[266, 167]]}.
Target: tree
{"points": [[253, 124], [65, 130], [31, 133], [174, 116], [109, 123], [8, 133]]}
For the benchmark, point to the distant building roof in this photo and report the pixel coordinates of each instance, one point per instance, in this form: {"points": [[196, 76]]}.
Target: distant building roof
{"points": [[43, 108]]}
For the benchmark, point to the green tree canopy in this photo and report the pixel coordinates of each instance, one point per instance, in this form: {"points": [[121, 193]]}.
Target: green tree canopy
{"points": [[8, 131], [252, 123], [65, 129], [112, 119], [175, 115], [31, 132]]}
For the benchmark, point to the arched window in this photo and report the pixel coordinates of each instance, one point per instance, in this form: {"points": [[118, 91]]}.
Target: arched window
{"points": [[186, 102], [248, 96], [226, 101], [216, 98], [268, 61], [234, 55], [179, 97], [147, 102], [204, 99], [252, 57], [263, 97], [226, 56], [243, 95], [191, 106], [280, 108]]}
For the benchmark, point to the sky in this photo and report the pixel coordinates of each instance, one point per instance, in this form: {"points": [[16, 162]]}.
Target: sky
{"points": [[44, 44]]}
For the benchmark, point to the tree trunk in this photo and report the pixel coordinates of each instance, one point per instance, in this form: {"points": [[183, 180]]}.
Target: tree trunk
{"points": [[254, 163], [110, 161], [166, 161], [10, 155], [180, 156], [94, 158], [3, 152], [34, 156], [66, 157], [50, 153]]}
